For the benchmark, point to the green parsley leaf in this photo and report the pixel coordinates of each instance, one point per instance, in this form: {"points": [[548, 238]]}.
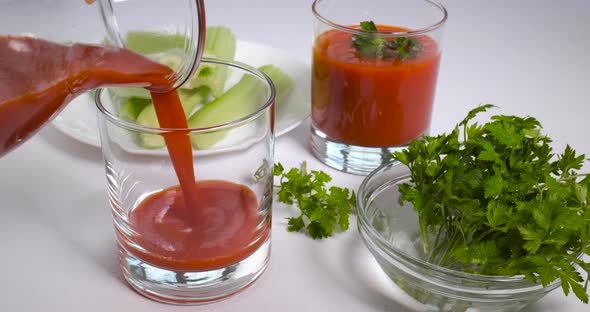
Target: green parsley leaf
{"points": [[368, 25], [498, 202], [494, 186], [322, 210], [505, 133], [370, 46], [295, 224]]}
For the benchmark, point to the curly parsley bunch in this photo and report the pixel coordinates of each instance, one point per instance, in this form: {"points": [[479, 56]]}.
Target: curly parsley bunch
{"points": [[498, 202]]}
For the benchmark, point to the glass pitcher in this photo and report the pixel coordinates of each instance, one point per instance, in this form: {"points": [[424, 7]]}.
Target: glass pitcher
{"points": [[111, 22], [160, 30]]}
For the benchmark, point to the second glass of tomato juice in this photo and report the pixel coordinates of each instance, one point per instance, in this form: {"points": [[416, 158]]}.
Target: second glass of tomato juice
{"points": [[191, 205], [374, 73]]}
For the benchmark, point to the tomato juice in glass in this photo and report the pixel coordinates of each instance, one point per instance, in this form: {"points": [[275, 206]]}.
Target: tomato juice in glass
{"points": [[193, 225], [365, 107], [190, 228]]}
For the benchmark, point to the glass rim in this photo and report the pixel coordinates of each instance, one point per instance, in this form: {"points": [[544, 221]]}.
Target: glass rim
{"points": [[416, 32], [231, 124], [196, 52], [372, 234]]}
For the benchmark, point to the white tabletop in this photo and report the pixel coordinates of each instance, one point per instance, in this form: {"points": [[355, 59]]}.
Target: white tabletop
{"points": [[57, 242]]}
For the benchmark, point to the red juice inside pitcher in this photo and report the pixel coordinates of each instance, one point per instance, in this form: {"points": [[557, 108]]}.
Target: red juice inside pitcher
{"points": [[48, 59]]}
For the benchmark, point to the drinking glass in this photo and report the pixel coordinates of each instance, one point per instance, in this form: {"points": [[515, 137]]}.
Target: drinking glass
{"points": [[222, 244], [363, 107]]}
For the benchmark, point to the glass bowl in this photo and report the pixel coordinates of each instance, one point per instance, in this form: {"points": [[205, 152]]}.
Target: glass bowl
{"points": [[391, 233]]}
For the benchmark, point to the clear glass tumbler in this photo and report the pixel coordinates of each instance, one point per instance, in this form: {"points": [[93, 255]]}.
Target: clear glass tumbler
{"points": [[372, 90], [221, 243]]}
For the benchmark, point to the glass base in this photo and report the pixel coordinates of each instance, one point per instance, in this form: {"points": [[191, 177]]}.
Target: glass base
{"points": [[349, 158], [191, 288]]}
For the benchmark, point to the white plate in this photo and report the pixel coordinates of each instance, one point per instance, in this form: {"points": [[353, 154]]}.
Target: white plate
{"points": [[78, 119]]}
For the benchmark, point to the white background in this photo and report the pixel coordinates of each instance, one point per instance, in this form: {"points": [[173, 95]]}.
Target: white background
{"points": [[57, 248]]}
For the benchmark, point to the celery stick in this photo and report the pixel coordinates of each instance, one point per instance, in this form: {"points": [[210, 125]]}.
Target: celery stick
{"points": [[127, 92], [238, 102], [132, 108], [189, 100], [144, 42], [282, 81], [220, 43]]}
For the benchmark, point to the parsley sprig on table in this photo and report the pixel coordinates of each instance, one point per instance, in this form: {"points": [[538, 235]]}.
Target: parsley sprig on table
{"points": [[492, 199], [370, 46], [321, 209]]}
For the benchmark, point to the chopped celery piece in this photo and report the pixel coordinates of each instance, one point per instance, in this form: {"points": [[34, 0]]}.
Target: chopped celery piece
{"points": [[144, 42], [132, 108], [136, 92], [220, 42], [238, 102], [282, 81], [189, 100]]}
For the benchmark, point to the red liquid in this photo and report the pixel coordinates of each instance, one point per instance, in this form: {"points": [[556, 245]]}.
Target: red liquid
{"points": [[224, 233], [193, 226], [171, 115], [38, 77], [196, 225], [376, 102]]}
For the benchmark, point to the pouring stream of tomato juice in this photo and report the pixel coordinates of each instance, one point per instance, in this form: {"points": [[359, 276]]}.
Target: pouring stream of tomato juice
{"points": [[38, 78]]}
